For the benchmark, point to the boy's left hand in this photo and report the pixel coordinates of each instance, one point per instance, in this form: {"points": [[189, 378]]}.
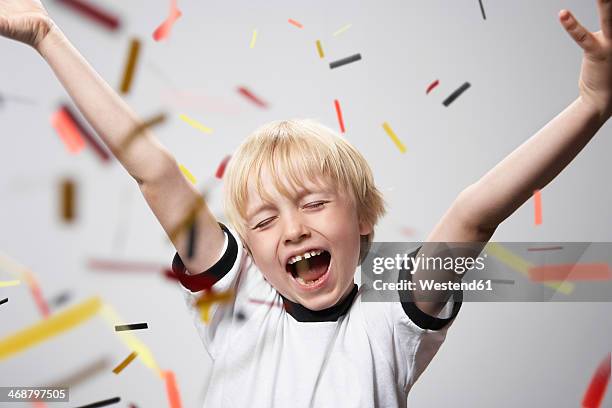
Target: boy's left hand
{"points": [[596, 75]]}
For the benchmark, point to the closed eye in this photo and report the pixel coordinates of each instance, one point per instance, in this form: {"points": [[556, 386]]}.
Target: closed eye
{"points": [[263, 223], [316, 204]]}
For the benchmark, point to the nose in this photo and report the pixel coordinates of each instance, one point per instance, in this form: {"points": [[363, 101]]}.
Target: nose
{"points": [[294, 229]]}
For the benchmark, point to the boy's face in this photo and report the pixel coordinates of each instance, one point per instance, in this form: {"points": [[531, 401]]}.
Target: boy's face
{"points": [[317, 219]]}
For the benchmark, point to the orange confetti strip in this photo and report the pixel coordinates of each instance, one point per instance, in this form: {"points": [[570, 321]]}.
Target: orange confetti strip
{"points": [[205, 302], [163, 30], [295, 23], [130, 66], [68, 131], [174, 398], [537, 197], [125, 362], [571, 272], [339, 114]]}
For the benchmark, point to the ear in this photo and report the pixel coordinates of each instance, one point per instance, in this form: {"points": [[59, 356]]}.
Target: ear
{"points": [[365, 228]]}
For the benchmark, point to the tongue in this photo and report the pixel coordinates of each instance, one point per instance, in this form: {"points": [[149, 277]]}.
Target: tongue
{"points": [[313, 268]]}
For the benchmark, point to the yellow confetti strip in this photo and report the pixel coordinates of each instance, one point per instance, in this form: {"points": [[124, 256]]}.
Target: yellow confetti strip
{"points": [[320, 49], [125, 362], [205, 302], [195, 124], [253, 38], [394, 137], [188, 174], [4, 284], [131, 340], [343, 29], [521, 265], [48, 328]]}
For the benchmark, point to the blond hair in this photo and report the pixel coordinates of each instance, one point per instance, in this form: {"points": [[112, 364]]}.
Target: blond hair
{"points": [[299, 149]]}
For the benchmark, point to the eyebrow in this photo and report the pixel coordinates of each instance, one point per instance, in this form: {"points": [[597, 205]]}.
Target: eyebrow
{"points": [[301, 194]]}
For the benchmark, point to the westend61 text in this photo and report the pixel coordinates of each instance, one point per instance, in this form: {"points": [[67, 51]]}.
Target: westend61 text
{"points": [[457, 264], [430, 284]]}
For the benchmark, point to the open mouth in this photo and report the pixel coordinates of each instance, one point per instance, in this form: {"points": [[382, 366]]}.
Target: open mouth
{"points": [[312, 270]]}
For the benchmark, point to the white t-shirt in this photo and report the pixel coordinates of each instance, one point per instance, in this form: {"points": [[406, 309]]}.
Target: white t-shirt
{"points": [[270, 352]]}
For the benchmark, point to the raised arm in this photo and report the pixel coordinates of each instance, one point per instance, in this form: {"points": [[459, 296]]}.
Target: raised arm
{"points": [[169, 194], [481, 207]]}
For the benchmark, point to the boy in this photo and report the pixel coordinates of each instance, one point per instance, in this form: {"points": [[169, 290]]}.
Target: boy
{"points": [[303, 206]]}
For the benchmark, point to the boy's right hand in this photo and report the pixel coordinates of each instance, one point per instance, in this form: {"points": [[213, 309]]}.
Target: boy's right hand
{"points": [[24, 20]]}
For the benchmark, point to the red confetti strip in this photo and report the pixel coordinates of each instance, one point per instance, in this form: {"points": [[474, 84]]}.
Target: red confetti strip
{"points": [[339, 114], [95, 13], [572, 272], [38, 298], [163, 30], [221, 168], [537, 196], [295, 23], [597, 388], [68, 131], [172, 390], [432, 86], [91, 139], [249, 95]]}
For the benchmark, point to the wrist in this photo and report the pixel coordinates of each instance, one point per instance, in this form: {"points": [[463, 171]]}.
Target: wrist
{"points": [[597, 110], [53, 37]]}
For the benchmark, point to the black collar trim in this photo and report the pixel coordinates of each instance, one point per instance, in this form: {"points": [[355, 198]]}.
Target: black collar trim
{"points": [[331, 314]]}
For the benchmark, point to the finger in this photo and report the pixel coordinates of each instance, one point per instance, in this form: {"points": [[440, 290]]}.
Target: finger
{"points": [[581, 35], [605, 17]]}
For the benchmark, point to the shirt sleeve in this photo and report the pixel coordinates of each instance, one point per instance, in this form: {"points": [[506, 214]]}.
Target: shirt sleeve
{"points": [[227, 275]]}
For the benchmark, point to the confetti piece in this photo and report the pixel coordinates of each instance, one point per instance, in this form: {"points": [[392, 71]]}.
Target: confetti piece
{"points": [[596, 391], [253, 38], [163, 30], [193, 232], [188, 174], [5, 284], [48, 328], [432, 86], [195, 123], [132, 326], [210, 297], [139, 130], [132, 342], [125, 362], [130, 66], [482, 10], [295, 23], [320, 49], [23, 273], [95, 13], [249, 95], [82, 374], [221, 169], [552, 248], [189, 218], [169, 274], [104, 403], [67, 193], [502, 281], [344, 61], [68, 131], [343, 29], [240, 316], [174, 398], [537, 197], [571, 272], [124, 266], [339, 114], [89, 137], [394, 137], [456, 94], [407, 231], [3, 301], [521, 265]]}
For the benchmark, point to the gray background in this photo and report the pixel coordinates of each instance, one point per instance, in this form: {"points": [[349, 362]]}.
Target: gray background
{"points": [[523, 69]]}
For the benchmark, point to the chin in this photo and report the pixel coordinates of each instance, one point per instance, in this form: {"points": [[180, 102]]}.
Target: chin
{"points": [[320, 302]]}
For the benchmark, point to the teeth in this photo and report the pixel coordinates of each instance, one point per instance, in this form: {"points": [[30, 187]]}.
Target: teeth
{"points": [[305, 255], [303, 282]]}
